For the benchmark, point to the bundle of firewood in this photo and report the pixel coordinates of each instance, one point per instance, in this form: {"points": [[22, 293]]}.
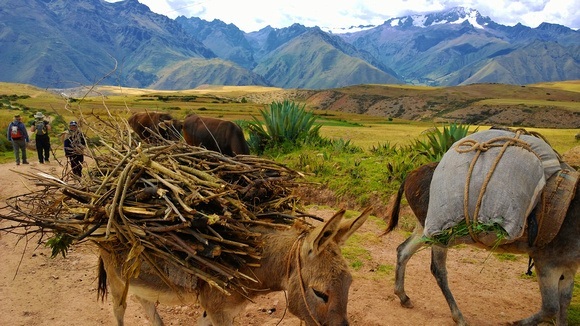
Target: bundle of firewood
{"points": [[179, 204]]}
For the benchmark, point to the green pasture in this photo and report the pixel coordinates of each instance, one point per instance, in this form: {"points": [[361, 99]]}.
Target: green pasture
{"points": [[371, 134], [218, 101], [569, 85]]}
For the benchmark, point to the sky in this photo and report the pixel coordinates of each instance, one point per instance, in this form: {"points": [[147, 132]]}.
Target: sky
{"points": [[253, 15]]}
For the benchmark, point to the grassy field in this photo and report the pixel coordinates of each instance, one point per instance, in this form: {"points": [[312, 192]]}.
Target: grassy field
{"points": [[220, 101], [570, 85]]}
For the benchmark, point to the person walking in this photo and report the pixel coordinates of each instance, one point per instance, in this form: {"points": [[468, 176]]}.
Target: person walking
{"points": [[40, 128], [18, 135], [74, 144]]}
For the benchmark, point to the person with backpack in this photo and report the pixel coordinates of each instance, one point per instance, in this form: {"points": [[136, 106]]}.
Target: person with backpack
{"points": [[41, 127], [18, 135], [74, 144]]}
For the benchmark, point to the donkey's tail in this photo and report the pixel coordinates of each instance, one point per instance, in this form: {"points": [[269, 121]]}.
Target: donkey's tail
{"points": [[392, 216], [102, 282]]}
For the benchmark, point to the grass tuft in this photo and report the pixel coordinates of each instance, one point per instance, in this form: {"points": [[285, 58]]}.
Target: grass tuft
{"points": [[460, 230]]}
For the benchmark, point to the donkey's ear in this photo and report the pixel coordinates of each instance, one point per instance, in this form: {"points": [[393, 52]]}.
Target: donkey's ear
{"points": [[322, 235], [347, 228]]}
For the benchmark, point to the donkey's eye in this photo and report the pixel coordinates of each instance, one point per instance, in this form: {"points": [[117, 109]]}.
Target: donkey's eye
{"points": [[321, 295]]}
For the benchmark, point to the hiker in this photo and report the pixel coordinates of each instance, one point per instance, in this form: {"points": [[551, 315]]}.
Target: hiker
{"points": [[74, 144], [18, 135], [41, 127]]}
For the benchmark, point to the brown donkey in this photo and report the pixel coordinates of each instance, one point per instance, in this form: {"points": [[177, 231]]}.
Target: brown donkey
{"points": [[304, 261], [154, 127], [215, 134]]}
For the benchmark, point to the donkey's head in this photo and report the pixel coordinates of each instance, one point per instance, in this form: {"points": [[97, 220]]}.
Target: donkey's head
{"points": [[318, 276], [170, 129]]}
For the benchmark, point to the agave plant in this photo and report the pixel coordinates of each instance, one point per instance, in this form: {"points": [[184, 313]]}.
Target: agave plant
{"points": [[284, 123], [440, 141]]}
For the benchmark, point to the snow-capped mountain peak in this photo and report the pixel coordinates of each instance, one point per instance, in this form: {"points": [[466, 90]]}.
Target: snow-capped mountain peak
{"points": [[344, 30], [457, 15]]}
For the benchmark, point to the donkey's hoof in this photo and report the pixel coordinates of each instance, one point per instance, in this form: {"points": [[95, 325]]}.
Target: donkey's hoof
{"points": [[406, 303]]}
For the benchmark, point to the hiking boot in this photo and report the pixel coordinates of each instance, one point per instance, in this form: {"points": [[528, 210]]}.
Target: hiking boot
{"points": [[25, 162]]}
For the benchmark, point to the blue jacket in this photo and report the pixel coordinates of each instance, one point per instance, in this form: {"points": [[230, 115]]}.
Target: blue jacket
{"points": [[20, 125]]}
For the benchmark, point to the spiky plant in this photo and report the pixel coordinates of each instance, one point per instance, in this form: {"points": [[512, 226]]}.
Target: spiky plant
{"points": [[440, 141], [285, 124]]}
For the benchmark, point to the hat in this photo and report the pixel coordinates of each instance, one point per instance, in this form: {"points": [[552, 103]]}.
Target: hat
{"points": [[39, 115], [73, 123]]}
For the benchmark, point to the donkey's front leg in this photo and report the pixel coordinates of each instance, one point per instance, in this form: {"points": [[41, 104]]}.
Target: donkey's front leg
{"points": [[220, 309]]}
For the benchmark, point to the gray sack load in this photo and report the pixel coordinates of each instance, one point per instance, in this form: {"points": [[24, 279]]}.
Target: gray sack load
{"points": [[511, 194]]}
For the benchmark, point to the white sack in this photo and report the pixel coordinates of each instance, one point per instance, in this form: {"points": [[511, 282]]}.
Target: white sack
{"points": [[512, 191]]}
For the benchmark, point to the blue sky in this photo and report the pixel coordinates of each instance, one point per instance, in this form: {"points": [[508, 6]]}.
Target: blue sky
{"points": [[252, 15]]}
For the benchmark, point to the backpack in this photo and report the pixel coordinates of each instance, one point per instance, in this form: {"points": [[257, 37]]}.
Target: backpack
{"points": [[40, 128], [15, 132]]}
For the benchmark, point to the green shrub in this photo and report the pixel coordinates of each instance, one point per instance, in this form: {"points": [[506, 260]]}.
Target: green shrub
{"points": [[401, 163], [400, 160], [386, 149], [439, 141], [5, 144], [336, 145], [285, 124], [318, 165]]}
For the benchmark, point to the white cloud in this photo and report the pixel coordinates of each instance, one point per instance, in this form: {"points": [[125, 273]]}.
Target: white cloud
{"points": [[252, 15]]}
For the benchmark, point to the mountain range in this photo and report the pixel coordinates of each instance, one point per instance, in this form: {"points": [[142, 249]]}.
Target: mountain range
{"points": [[64, 43]]}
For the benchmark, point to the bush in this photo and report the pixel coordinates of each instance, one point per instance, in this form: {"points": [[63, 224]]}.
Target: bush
{"points": [[400, 160], [5, 145], [440, 141], [286, 124]]}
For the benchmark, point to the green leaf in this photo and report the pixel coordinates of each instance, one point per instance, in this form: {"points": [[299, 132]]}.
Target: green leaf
{"points": [[59, 244]]}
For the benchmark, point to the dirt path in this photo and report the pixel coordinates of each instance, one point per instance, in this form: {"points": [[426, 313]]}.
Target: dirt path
{"points": [[37, 290]]}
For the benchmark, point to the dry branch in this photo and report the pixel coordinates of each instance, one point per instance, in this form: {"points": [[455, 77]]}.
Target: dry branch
{"points": [[172, 207]]}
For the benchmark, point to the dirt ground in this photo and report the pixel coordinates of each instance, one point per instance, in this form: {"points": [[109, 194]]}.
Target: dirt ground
{"points": [[38, 290]]}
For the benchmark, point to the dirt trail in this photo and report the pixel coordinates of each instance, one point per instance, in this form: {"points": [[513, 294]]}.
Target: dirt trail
{"points": [[37, 290]]}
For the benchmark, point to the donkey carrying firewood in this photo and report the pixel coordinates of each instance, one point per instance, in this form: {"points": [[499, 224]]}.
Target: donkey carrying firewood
{"points": [[304, 261]]}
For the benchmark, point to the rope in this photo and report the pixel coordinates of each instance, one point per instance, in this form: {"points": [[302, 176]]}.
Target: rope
{"points": [[530, 266], [285, 309], [296, 250], [479, 147]]}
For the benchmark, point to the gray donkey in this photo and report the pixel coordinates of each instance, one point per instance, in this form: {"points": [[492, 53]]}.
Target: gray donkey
{"points": [[556, 262]]}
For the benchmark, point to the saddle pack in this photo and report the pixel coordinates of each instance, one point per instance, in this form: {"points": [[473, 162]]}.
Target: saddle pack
{"points": [[490, 181], [545, 223]]}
